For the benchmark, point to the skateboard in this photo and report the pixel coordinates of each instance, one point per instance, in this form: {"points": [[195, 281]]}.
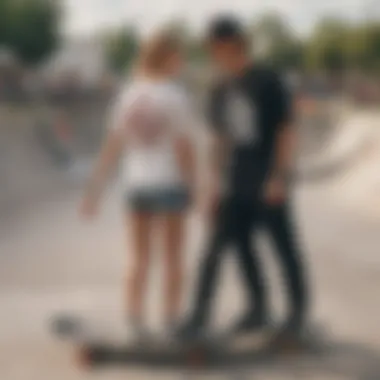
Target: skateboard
{"points": [[94, 347]]}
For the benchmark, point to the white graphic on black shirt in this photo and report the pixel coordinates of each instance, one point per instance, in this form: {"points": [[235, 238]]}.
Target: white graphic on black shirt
{"points": [[241, 119]]}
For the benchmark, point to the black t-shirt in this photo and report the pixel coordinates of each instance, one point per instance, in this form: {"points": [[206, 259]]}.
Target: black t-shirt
{"points": [[248, 111]]}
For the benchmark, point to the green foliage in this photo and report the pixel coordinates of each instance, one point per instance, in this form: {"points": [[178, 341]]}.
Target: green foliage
{"points": [[336, 45], [367, 51], [4, 17], [333, 46], [327, 47], [121, 48], [279, 45], [34, 29], [29, 28], [196, 50]]}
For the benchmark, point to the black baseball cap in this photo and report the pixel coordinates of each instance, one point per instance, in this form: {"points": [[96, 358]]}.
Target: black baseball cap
{"points": [[225, 27]]}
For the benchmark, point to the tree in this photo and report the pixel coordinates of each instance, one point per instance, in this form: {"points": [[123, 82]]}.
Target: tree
{"points": [[4, 21], [121, 48], [365, 52], [276, 43], [196, 50], [30, 28], [328, 46], [374, 45]]}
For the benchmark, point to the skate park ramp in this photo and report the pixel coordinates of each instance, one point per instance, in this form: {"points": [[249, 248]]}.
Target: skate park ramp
{"points": [[37, 163], [34, 168], [51, 262]]}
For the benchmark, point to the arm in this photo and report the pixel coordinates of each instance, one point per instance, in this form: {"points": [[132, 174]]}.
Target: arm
{"points": [[186, 155], [285, 145], [109, 154], [219, 143], [218, 150], [285, 142], [285, 131], [215, 144], [218, 153]]}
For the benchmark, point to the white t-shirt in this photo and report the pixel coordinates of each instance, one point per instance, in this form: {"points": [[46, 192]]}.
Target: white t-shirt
{"points": [[150, 116]]}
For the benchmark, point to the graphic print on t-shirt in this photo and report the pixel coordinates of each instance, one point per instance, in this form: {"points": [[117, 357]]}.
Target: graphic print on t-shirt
{"points": [[144, 117], [241, 119], [146, 122]]}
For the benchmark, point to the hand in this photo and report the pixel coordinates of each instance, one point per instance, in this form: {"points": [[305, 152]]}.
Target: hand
{"points": [[88, 208], [274, 191], [194, 198], [212, 200]]}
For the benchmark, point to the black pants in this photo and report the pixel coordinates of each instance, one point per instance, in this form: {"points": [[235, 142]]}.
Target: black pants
{"points": [[236, 220], [279, 223]]}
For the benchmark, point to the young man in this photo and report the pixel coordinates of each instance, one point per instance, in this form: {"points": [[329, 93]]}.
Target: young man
{"points": [[251, 115]]}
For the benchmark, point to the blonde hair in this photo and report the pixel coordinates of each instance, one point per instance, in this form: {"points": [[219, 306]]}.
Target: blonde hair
{"points": [[155, 51]]}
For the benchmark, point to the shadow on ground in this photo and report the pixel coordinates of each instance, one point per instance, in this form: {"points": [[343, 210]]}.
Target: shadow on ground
{"points": [[338, 360], [343, 360]]}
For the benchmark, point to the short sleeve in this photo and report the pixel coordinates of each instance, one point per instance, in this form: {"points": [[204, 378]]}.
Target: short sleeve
{"points": [[125, 107]]}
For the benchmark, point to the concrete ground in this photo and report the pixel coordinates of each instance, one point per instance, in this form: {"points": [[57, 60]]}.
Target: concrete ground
{"points": [[51, 261]]}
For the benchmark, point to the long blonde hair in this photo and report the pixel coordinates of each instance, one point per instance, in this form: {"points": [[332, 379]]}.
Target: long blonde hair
{"points": [[155, 51]]}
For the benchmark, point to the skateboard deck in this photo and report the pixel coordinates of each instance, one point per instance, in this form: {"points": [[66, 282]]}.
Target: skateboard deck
{"points": [[95, 347]]}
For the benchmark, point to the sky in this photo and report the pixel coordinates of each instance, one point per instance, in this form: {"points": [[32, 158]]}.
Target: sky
{"points": [[87, 16]]}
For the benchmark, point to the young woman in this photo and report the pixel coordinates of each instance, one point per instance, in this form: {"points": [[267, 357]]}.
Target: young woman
{"points": [[149, 130]]}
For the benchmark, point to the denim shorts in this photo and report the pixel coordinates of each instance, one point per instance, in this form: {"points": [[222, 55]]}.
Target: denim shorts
{"points": [[159, 201]]}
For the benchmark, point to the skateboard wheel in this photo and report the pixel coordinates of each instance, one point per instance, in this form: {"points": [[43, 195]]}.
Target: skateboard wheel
{"points": [[196, 358], [289, 346], [84, 358]]}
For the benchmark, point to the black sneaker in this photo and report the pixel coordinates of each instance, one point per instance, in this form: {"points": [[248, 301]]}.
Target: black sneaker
{"points": [[190, 331], [289, 337], [250, 323], [293, 326]]}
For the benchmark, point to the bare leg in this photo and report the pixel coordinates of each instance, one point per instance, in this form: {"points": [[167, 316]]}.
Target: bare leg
{"points": [[173, 231], [141, 224]]}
